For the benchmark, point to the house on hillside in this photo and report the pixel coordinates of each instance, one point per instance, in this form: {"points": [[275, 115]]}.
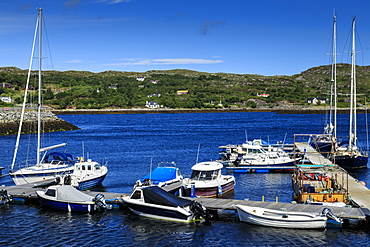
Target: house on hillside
{"points": [[6, 85], [6, 99], [140, 78], [151, 104], [180, 92], [316, 100], [264, 95]]}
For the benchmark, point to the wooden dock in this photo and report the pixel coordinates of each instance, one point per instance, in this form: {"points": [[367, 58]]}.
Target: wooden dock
{"points": [[29, 193]]}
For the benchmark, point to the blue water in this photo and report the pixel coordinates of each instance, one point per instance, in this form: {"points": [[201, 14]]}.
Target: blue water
{"points": [[132, 144]]}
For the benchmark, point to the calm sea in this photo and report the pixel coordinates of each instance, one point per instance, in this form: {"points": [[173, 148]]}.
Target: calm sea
{"points": [[134, 144]]}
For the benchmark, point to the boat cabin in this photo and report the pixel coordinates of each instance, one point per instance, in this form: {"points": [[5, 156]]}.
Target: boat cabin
{"points": [[206, 171]]}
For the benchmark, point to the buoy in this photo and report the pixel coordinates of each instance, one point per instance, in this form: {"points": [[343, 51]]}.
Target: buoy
{"points": [[363, 183]]}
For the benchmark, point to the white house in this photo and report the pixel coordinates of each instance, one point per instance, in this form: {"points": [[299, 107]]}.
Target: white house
{"points": [[6, 99], [151, 104], [140, 78]]}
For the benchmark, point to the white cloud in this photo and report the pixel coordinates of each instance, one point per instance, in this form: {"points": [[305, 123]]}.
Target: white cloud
{"points": [[164, 61]]}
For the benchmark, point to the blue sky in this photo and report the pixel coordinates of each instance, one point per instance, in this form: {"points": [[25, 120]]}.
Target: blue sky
{"points": [[266, 37]]}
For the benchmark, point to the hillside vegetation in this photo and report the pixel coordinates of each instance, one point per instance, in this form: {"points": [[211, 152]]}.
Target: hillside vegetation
{"points": [[114, 89]]}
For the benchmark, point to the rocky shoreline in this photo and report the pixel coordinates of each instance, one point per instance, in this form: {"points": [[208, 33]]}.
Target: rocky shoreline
{"points": [[9, 122], [290, 110]]}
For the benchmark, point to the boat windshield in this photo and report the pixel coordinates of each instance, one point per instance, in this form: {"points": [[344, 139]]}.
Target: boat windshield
{"points": [[205, 175]]}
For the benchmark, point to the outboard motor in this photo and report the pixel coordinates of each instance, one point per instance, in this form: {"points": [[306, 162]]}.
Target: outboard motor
{"points": [[99, 200], [327, 212], [199, 211], [68, 180]]}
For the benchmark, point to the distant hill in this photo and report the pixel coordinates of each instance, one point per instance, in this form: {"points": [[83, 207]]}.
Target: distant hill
{"points": [[118, 89]]}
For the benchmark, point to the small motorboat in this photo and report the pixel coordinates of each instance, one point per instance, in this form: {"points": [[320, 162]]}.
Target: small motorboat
{"points": [[206, 180], [86, 175], [154, 202], [284, 219], [68, 198], [165, 175]]}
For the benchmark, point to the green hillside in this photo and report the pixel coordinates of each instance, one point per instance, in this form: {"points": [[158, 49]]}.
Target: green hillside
{"points": [[115, 89]]}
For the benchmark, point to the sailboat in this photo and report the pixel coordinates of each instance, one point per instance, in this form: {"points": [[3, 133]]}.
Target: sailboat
{"points": [[349, 155], [325, 143], [57, 162]]}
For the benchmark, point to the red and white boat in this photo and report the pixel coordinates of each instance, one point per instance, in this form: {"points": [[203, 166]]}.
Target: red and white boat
{"points": [[207, 181]]}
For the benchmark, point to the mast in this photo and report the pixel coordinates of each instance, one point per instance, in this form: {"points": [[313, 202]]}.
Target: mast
{"points": [[352, 116], [40, 89], [334, 72], [25, 97]]}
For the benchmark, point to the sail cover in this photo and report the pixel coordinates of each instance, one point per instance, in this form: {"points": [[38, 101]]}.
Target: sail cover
{"points": [[156, 195]]}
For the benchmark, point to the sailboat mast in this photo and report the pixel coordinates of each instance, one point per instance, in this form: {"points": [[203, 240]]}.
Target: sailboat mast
{"points": [[352, 117], [334, 72], [40, 89], [25, 97]]}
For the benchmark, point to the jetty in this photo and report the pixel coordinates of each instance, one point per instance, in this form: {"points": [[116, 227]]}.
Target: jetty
{"points": [[28, 193]]}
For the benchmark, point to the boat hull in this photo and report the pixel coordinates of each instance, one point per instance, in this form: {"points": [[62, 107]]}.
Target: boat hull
{"points": [[350, 162], [159, 212], [90, 183], [211, 191], [67, 206], [282, 219], [30, 176]]}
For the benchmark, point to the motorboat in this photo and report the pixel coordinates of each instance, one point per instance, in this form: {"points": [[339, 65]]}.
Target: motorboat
{"points": [[253, 154], [206, 180], [154, 202], [28, 172], [86, 174], [68, 198], [165, 175], [284, 219]]}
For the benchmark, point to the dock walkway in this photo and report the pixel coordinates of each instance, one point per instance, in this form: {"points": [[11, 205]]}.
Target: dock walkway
{"points": [[26, 192]]}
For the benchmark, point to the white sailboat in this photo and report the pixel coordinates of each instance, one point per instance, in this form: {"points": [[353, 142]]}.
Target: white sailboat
{"points": [[58, 163], [349, 155]]}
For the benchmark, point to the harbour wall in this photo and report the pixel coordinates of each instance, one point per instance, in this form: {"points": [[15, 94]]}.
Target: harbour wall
{"points": [[10, 119]]}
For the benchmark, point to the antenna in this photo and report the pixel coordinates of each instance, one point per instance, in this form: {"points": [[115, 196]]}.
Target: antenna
{"points": [[198, 153]]}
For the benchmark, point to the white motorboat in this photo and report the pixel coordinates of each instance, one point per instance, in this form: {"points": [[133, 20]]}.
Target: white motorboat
{"points": [[154, 202], [206, 180], [285, 219], [86, 174]]}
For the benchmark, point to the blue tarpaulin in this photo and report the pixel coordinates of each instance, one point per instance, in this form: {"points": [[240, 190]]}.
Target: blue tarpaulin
{"points": [[160, 174]]}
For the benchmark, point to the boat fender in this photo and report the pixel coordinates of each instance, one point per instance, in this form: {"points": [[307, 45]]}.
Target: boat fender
{"points": [[220, 190]]}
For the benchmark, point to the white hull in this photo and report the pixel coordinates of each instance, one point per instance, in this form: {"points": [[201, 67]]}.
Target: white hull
{"points": [[37, 174], [283, 219]]}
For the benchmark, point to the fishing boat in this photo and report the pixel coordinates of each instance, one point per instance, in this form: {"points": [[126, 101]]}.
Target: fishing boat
{"points": [[314, 183], [349, 155], [165, 175], [284, 219], [86, 174], [68, 198], [154, 202], [206, 180], [41, 169]]}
